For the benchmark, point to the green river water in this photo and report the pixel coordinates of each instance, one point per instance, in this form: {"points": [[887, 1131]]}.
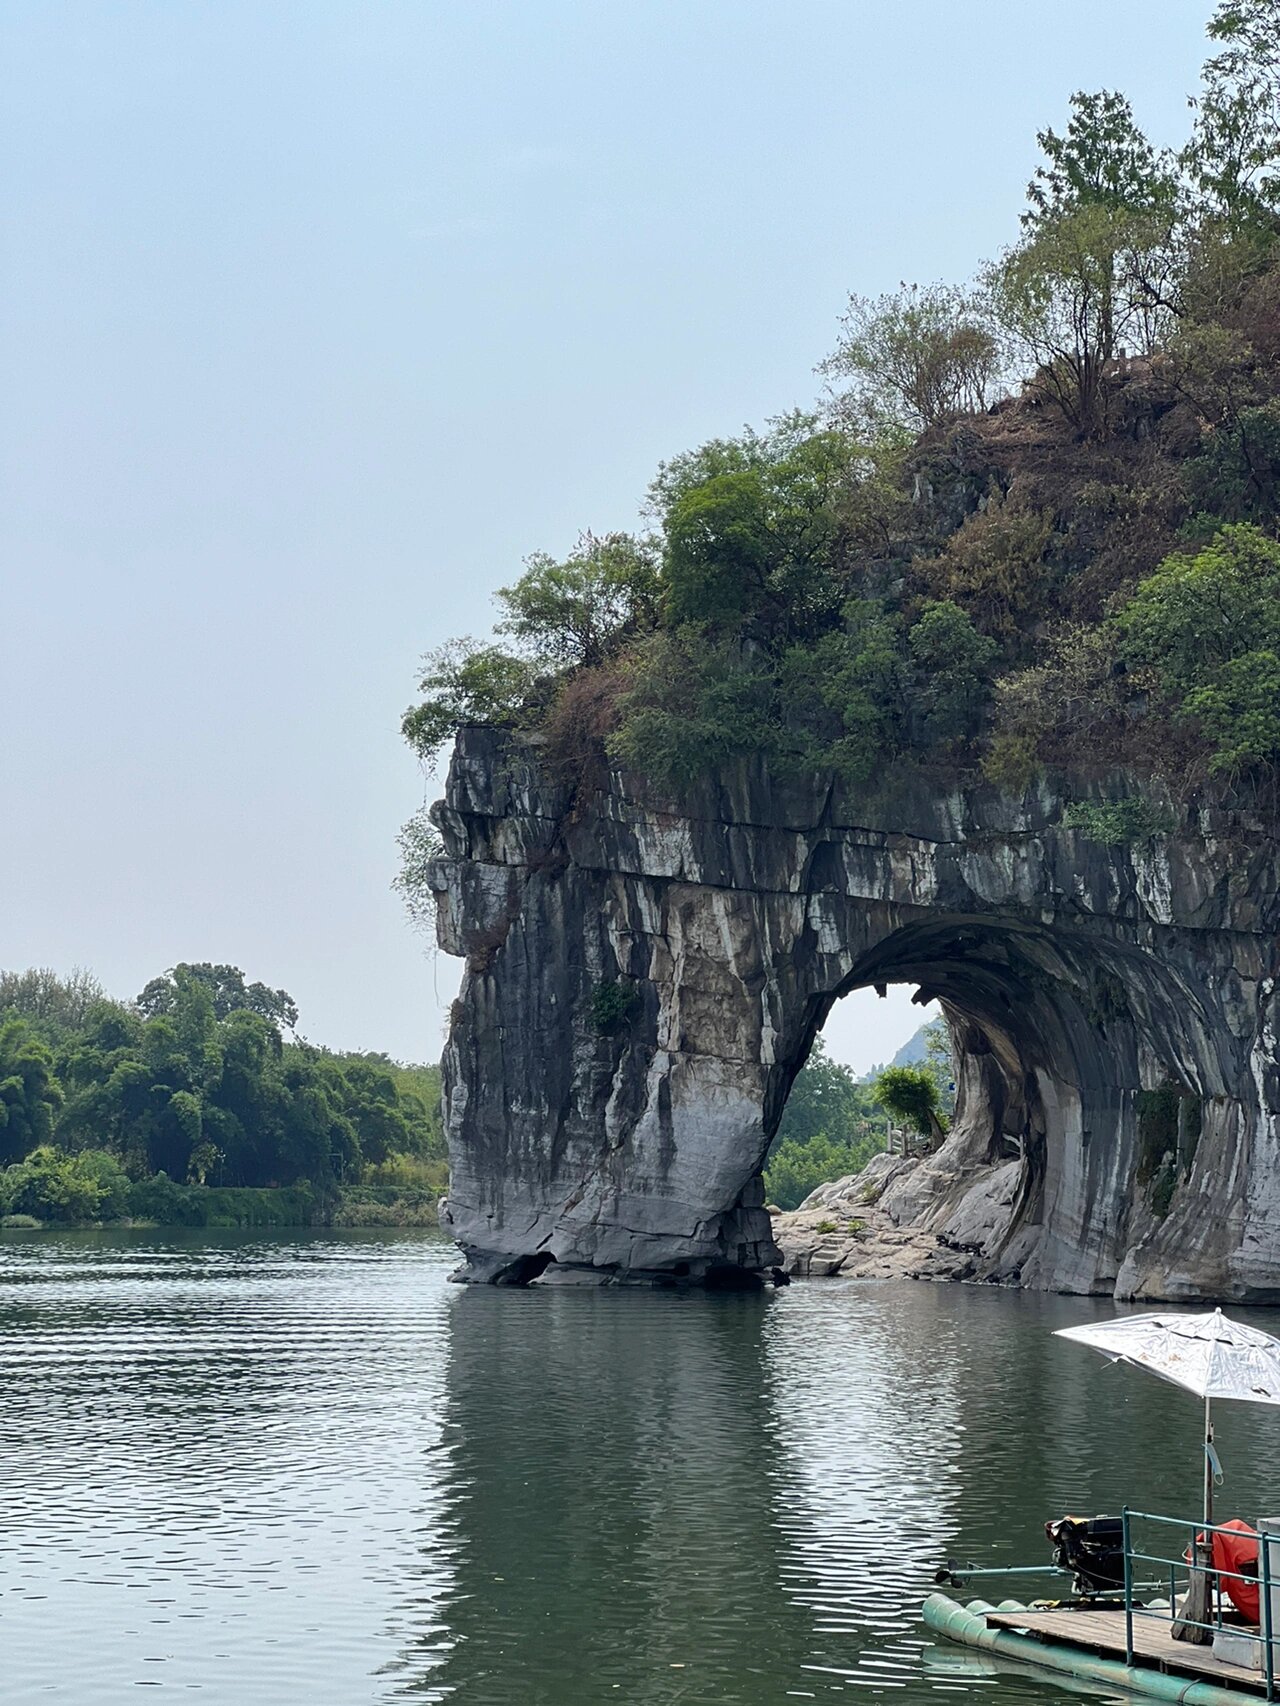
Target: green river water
{"points": [[302, 1470]]}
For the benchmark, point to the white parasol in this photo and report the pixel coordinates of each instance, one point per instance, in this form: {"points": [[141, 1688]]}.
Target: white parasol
{"points": [[1210, 1355]]}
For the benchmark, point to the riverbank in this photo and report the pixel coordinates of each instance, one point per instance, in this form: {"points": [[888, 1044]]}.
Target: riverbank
{"points": [[160, 1202]]}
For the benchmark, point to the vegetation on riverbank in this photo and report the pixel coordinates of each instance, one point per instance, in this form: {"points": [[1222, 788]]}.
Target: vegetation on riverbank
{"points": [[834, 1123], [189, 1106], [1033, 525]]}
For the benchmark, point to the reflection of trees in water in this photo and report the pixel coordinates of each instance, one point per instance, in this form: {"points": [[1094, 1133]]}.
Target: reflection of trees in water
{"points": [[614, 1517], [221, 1451], [249, 1351]]}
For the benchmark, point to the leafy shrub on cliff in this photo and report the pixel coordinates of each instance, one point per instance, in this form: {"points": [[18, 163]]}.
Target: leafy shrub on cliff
{"points": [[871, 688], [689, 703], [576, 613], [752, 530], [954, 662], [1207, 630], [1116, 822], [995, 567], [612, 1004], [420, 844], [466, 684], [844, 696]]}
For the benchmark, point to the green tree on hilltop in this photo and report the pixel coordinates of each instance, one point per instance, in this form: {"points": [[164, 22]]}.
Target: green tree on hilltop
{"points": [[576, 613], [909, 358], [1233, 156], [228, 993], [753, 528], [1095, 271]]}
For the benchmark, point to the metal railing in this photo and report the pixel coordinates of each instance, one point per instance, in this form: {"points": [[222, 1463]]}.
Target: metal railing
{"points": [[1196, 1556]]}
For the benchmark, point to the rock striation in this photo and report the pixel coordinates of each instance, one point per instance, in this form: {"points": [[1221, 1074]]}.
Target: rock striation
{"points": [[645, 977]]}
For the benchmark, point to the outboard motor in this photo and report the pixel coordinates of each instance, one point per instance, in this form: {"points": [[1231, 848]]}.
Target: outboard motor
{"points": [[1092, 1548]]}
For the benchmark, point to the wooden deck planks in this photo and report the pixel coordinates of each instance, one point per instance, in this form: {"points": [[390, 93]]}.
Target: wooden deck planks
{"points": [[1153, 1642]]}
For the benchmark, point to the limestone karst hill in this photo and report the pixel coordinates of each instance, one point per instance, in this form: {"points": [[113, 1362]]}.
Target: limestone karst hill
{"points": [[645, 975]]}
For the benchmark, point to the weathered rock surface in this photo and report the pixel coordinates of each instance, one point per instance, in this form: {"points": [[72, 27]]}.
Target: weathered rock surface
{"points": [[645, 977], [870, 1226]]}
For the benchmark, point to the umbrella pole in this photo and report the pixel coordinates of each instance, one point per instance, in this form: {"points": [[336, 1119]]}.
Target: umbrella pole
{"points": [[1210, 1577]]}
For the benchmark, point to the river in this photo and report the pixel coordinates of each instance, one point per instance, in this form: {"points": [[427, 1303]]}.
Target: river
{"points": [[268, 1471]]}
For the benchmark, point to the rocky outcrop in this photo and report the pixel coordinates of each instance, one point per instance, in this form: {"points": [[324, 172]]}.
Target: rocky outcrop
{"points": [[881, 1223], [645, 976]]}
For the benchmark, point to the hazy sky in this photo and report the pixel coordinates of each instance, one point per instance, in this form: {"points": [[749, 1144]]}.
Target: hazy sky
{"points": [[317, 318]]}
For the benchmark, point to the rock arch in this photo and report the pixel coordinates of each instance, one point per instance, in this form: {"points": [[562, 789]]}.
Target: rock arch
{"points": [[645, 977]]}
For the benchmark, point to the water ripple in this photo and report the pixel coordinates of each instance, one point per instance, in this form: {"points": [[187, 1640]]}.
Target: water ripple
{"points": [[269, 1470]]}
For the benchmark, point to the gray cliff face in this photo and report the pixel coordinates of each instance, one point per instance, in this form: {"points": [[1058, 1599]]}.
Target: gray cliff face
{"points": [[1115, 1009]]}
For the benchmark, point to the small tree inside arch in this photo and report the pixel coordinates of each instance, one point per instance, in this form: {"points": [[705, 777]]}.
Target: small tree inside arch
{"points": [[910, 1094]]}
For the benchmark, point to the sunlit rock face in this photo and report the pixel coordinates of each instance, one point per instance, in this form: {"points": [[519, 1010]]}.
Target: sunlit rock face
{"points": [[645, 976]]}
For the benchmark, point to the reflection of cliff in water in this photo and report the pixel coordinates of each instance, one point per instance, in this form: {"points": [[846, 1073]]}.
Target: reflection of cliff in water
{"points": [[867, 1419], [615, 1518]]}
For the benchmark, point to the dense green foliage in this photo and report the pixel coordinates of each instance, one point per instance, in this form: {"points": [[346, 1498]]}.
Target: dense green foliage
{"points": [[911, 358], [831, 1126], [914, 575], [826, 1098], [939, 1063], [178, 1104], [1207, 629], [1117, 822], [30, 1095], [796, 1169], [228, 993], [910, 1093], [612, 1004]]}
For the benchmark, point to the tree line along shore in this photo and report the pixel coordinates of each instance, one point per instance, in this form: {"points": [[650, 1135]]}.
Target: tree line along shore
{"points": [[198, 1104]]}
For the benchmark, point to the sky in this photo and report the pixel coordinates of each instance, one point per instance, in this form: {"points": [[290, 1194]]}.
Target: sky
{"points": [[317, 318]]}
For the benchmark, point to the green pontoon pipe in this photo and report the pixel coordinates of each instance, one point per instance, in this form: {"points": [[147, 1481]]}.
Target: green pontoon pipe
{"points": [[968, 1625]]}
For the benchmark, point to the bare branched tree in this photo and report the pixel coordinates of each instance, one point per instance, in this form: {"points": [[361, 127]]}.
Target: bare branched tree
{"points": [[909, 358]]}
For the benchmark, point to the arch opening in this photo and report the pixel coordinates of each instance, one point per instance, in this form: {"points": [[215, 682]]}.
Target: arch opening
{"points": [[1057, 1038]]}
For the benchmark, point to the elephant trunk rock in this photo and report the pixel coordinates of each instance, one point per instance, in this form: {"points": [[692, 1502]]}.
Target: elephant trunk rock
{"points": [[645, 976]]}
